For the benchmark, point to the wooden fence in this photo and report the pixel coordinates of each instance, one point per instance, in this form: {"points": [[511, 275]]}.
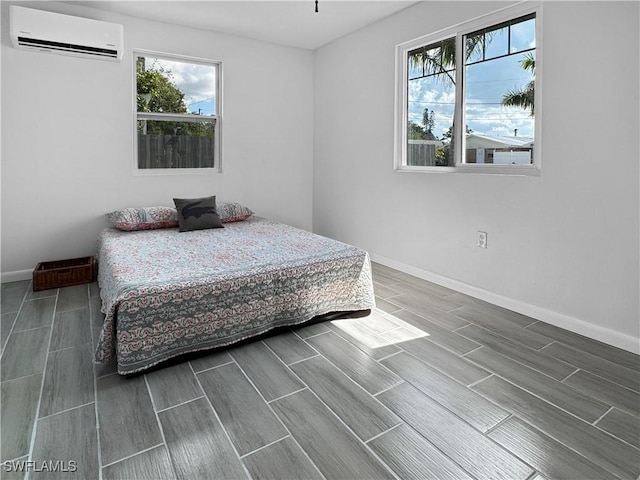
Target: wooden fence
{"points": [[421, 154], [175, 151]]}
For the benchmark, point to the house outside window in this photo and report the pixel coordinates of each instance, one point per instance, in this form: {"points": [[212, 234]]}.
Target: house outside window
{"points": [[177, 114], [468, 97]]}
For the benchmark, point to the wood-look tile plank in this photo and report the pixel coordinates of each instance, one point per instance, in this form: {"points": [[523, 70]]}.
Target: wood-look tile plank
{"points": [[545, 387], [173, 385], [15, 470], [289, 347], [20, 284], [269, 375], [211, 360], [544, 453], [404, 334], [13, 293], [377, 321], [68, 380], [453, 365], [70, 435], [605, 390], [311, 330], [622, 425], [25, 353], [6, 324], [35, 314], [126, 418], [493, 310], [335, 451], [365, 415], [432, 316], [381, 278], [384, 275], [19, 400], [364, 339], [423, 285], [468, 405], [503, 327], [611, 454], [384, 291], [437, 334], [357, 365], [94, 289], [281, 460], [594, 364], [71, 329], [72, 298], [153, 464], [378, 267], [386, 306], [197, 442], [103, 369], [244, 414], [412, 457], [526, 356], [31, 295], [420, 301], [602, 350], [459, 441]]}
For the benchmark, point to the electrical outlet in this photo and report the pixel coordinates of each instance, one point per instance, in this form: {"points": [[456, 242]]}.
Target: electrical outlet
{"points": [[482, 239]]}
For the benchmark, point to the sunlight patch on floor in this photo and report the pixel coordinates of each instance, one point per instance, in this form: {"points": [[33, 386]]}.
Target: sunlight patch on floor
{"points": [[379, 329]]}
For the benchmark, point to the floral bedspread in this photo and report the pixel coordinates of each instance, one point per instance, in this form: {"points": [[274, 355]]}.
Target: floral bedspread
{"points": [[166, 293]]}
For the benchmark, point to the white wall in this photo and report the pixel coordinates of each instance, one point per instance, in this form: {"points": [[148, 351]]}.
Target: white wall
{"points": [[563, 247], [67, 137]]}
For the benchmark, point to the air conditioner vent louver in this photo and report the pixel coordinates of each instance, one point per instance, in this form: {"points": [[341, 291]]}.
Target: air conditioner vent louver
{"points": [[43, 31], [66, 47]]}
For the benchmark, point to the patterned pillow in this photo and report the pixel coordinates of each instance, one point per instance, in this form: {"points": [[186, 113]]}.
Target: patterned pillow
{"points": [[233, 212], [143, 218], [197, 213]]}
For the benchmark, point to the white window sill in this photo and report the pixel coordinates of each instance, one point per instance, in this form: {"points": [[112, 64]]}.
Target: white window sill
{"points": [[477, 169]]}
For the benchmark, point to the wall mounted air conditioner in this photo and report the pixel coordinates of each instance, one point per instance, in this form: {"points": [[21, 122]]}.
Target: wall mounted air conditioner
{"points": [[63, 34]]}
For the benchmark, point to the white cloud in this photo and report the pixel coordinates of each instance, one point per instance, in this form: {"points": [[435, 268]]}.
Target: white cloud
{"points": [[196, 81]]}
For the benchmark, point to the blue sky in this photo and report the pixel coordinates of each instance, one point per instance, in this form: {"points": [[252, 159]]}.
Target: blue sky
{"points": [[486, 83], [485, 89], [196, 81]]}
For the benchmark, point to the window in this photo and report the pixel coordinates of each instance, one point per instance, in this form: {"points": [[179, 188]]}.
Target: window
{"points": [[178, 119], [466, 96]]}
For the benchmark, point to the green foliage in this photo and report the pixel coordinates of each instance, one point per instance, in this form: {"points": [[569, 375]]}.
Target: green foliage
{"points": [[424, 132], [523, 97], [157, 92], [449, 133], [439, 59]]}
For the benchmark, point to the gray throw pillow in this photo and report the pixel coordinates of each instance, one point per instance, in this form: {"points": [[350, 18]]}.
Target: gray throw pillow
{"points": [[197, 213]]}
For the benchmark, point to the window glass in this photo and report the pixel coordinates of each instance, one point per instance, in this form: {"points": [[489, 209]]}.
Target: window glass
{"points": [[474, 109], [499, 99], [431, 104], [177, 113]]}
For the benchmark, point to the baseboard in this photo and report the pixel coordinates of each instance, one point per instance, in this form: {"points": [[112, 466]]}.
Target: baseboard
{"points": [[16, 276], [605, 335]]}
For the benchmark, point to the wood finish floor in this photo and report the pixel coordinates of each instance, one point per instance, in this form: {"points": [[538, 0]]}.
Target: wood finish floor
{"points": [[433, 384]]}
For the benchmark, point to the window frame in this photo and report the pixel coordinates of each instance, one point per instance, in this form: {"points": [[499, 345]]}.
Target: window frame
{"points": [[401, 117], [187, 117]]}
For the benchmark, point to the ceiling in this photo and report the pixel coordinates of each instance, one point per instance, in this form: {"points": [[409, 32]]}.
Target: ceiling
{"points": [[290, 22]]}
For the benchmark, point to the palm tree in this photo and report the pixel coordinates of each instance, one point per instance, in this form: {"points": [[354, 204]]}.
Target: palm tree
{"points": [[440, 59], [524, 97]]}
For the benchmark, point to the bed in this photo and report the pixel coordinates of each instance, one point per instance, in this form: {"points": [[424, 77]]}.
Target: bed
{"points": [[167, 293]]}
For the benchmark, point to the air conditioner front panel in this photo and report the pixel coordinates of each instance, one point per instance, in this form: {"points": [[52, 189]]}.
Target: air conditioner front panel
{"points": [[66, 47], [65, 34]]}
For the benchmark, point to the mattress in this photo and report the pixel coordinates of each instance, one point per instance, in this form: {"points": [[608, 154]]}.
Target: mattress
{"points": [[167, 293]]}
